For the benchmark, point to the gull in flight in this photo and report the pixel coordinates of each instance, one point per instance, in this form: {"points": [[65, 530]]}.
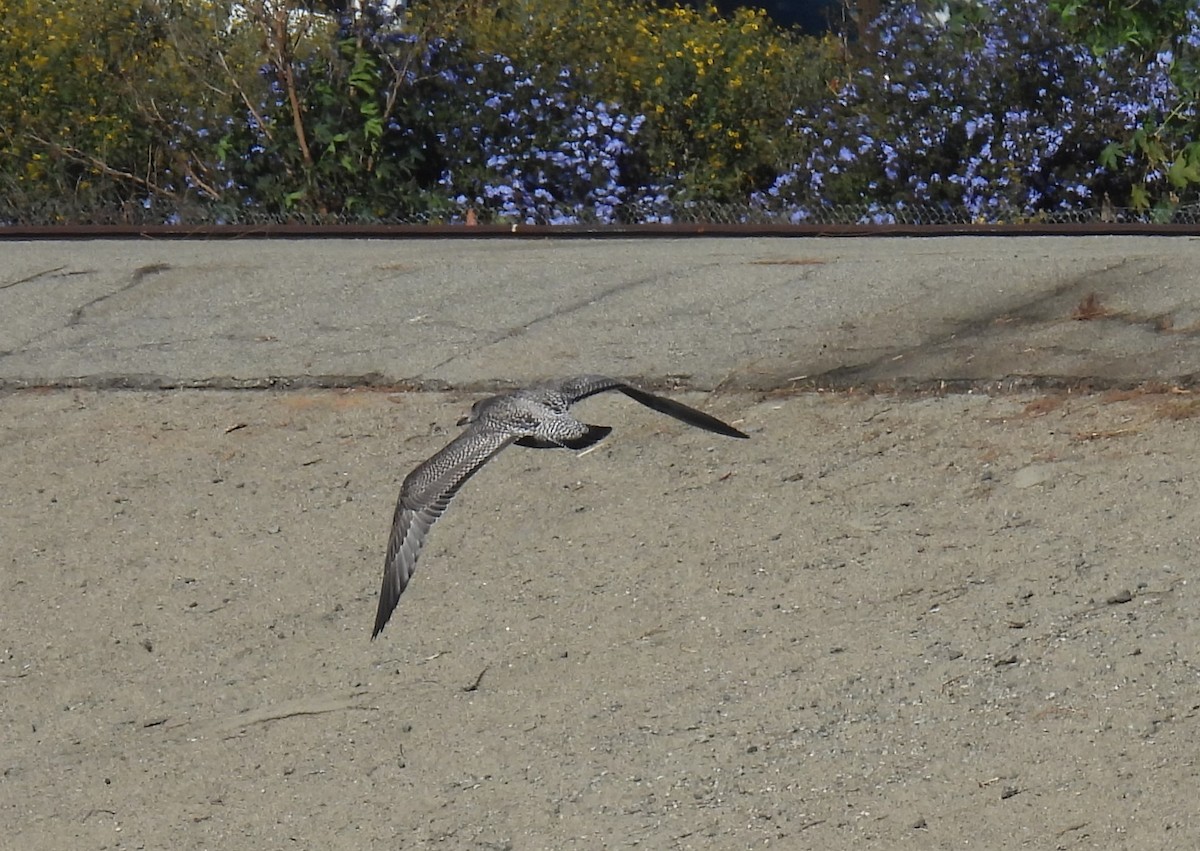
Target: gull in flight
{"points": [[536, 417]]}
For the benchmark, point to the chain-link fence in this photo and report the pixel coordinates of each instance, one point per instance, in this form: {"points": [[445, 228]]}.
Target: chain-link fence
{"points": [[701, 212], [60, 212]]}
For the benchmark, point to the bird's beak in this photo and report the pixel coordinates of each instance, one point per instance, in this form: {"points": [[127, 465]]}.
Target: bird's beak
{"points": [[462, 421]]}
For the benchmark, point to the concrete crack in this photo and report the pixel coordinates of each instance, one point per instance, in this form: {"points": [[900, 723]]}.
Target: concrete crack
{"points": [[565, 310], [35, 276], [139, 274]]}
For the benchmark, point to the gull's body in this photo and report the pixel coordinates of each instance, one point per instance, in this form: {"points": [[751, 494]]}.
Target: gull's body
{"points": [[537, 417]]}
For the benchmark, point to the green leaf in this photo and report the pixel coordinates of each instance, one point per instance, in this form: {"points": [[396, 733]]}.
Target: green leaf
{"points": [[1182, 173], [1163, 213], [1112, 155], [1139, 198]]}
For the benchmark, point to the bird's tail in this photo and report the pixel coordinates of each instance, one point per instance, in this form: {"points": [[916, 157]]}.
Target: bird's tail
{"points": [[592, 436]]}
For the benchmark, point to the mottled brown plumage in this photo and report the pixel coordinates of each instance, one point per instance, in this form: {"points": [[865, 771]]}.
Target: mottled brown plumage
{"points": [[537, 417]]}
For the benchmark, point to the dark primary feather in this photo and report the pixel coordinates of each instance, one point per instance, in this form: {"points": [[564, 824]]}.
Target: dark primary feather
{"points": [[580, 387], [682, 412], [534, 417]]}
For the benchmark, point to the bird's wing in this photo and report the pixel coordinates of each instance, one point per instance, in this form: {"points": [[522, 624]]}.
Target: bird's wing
{"points": [[424, 497], [582, 386]]}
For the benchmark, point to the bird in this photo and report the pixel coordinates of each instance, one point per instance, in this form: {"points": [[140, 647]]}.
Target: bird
{"points": [[535, 417]]}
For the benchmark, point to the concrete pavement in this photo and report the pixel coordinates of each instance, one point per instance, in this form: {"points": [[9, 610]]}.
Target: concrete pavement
{"points": [[757, 313]]}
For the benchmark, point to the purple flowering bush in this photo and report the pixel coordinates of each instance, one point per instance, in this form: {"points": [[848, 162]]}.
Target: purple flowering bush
{"points": [[610, 112], [396, 127], [714, 89], [990, 113], [1165, 153], [330, 129], [514, 149]]}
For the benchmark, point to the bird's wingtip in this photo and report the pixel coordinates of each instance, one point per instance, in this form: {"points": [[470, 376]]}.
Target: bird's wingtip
{"points": [[383, 615]]}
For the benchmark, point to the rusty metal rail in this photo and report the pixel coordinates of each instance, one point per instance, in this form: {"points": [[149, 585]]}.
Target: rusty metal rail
{"points": [[401, 231]]}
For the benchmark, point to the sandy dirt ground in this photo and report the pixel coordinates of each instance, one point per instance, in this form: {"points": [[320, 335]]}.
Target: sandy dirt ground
{"points": [[882, 622]]}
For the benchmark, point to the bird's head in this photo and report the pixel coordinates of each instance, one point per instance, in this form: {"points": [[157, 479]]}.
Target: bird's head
{"points": [[473, 415]]}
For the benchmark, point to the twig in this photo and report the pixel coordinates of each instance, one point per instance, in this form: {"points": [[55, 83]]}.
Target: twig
{"points": [[100, 165], [292, 709], [258, 119], [479, 679], [282, 50]]}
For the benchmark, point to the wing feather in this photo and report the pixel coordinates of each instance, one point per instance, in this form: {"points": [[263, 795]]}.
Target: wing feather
{"points": [[428, 490], [424, 497], [582, 386]]}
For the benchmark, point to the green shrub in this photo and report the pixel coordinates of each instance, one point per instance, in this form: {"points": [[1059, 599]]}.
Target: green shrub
{"points": [[65, 118], [716, 91]]}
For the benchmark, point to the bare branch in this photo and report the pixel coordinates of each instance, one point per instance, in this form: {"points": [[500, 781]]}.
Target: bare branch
{"points": [[76, 155], [266, 128], [279, 45], [190, 165]]}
